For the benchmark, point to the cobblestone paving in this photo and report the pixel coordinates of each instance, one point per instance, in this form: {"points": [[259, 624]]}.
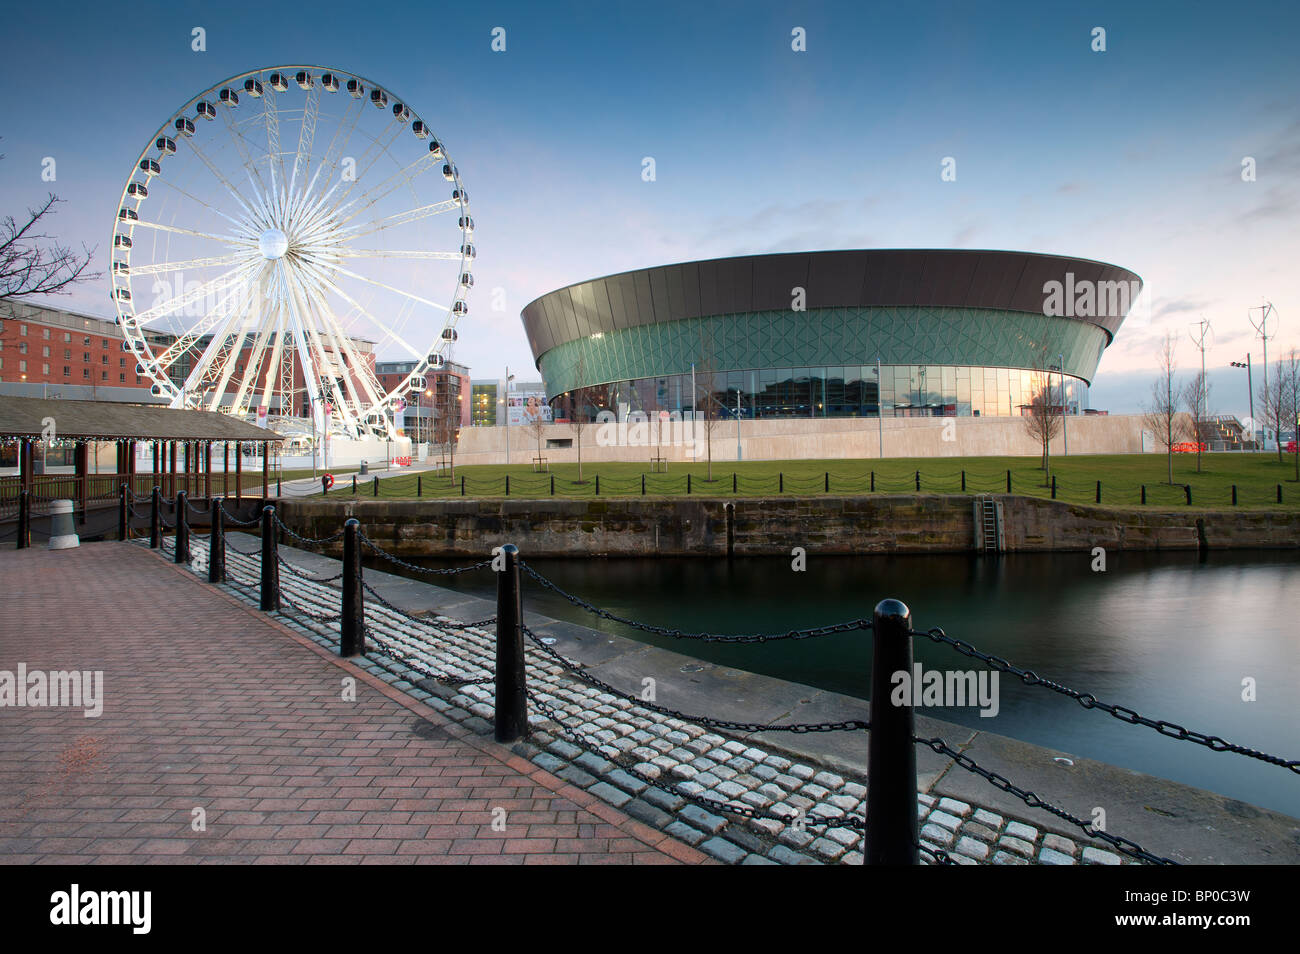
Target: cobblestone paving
{"points": [[210, 704], [682, 760]]}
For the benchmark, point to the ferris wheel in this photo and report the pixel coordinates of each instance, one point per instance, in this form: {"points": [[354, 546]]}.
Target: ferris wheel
{"points": [[283, 231]]}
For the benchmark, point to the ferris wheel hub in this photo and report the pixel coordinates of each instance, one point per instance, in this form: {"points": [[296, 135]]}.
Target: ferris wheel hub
{"points": [[273, 244]]}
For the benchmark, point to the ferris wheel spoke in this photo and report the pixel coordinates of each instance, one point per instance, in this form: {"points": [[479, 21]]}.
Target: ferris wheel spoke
{"points": [[245, 148], [362, 369], [271, 116], [184, 264], [397, 253], [215, 346], [362, 171], [220, 177], [400, 218], [331, 286], [219, 313], [176, 229], [384, 285], [194, 198], [397, 179], [341, 136], [184, 299], [306, 136]]}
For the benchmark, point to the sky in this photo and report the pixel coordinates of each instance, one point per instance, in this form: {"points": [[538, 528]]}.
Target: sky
{"points": [[1132, 155]]}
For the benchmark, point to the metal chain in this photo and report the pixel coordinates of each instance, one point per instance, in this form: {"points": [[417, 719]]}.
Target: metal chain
{"points": [[303, 576], [193, 509], [234, 521], [747, 811], [1123, 713], [848, 627], [226, 537], [397, 561], [747, 727], [1125, 845], [309, 541]]}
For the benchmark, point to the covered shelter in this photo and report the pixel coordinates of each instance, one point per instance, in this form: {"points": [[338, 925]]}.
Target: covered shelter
{"points": [[183, 447]]}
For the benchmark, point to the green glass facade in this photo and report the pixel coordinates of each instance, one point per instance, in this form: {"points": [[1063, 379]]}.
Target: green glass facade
{"points": [[934, 362]]}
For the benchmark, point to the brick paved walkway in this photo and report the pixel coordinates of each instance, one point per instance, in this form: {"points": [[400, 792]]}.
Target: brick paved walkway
{"points": [[209, 704]]}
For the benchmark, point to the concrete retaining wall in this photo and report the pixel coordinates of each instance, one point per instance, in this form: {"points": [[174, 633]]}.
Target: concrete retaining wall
{"points": [[702, 526]]}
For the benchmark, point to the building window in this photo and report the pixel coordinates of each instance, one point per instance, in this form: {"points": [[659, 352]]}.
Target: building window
{"points": [[67, 354], [45, 333], [103, 375], [45, 351], [86, 341], [22, 329], [121, 362], [85, 374], [45, 369], [121, 378], [103, 358], [67, 371], [67, 337], [22, 347], [85, 356], [22, 365]]}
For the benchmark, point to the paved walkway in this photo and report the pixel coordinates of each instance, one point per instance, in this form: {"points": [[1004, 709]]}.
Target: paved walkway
{"points": [[208, 704]]}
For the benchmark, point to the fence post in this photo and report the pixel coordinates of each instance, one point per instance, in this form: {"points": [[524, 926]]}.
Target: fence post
{"points": [[1234, 495], [873, 481], [270, 562], [507, 485], [155, 520], [780, 481], [963, 481], [1099, 491], [1279, 493], [1187, 489], [123, 514], [376, 486], [462, 485], [918, 481], [352, 631], [892, 828], [419, 485], [324, 485], [733, 482], [642, 485], [24, 519], [511, 692], [1144, 494], [182, 541], [354, 485], [1053, 486], [1008, 481], [828, 481], [279, 489], [598, 485], [688, 484], [217, 544]]}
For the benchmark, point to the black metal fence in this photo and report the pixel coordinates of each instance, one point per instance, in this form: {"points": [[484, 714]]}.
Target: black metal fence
{"points": [[890, 824]]}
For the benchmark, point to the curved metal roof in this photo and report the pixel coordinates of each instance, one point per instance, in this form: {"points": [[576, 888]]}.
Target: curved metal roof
{"points": [[952, 278]]}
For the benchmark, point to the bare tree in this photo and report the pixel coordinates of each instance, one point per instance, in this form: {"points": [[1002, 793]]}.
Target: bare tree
{"points": [[1042, 422], [538, 426], [1196, 398], [1274, 403], [1161, 417], [33, 263], [1287, 396], [705, 401]]}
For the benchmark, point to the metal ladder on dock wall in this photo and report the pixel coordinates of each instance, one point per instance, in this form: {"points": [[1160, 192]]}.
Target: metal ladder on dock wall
{"points": [[988, 525]]}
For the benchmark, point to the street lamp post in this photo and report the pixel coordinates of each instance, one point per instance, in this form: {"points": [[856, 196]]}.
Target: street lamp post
{"points": [[880, 411], [1250, 388], [506, 407], [1065, 437]]}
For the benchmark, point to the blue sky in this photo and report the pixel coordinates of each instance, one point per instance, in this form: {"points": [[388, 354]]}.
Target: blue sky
{"points": [[1131, 156]]}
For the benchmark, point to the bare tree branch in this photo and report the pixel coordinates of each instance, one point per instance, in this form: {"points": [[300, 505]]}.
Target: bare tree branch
{"points": [[33, 263]]}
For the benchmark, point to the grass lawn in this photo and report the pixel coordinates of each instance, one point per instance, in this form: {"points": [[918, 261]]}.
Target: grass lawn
{"points": [[1122, 476]]}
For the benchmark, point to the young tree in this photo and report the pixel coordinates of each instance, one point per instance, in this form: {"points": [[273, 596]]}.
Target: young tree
{"points": [[1289, 373], [1161, 417], [32, 263], [1273, 401], [1196, 398], [538, 426], [1043, 420]]}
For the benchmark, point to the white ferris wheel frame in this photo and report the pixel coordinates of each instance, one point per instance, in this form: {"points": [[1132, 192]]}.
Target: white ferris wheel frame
{"points": [[287, 293]]}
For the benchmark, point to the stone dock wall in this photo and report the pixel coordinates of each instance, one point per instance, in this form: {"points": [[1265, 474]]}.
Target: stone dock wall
{"points": [[768, 526]]}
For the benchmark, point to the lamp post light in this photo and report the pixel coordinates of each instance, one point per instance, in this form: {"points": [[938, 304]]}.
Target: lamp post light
{"points": [[506, 405], [1251, 389]]}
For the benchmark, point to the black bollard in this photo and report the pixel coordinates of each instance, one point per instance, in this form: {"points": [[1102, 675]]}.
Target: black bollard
{"points": [[217, 544], [270, 563], [462, 484], [873, 481], [1187, 489], [892, 830], [780, 481], [1053, 486], [155, 520], [598, 485], [182, 541], [324, 485], [511, 692], [1234, 495], [963, 481], [24, 519], [419, 485], [1144, 494], [918, 481], [354, 485], [733, 483], [352, 629], [376, 485], [507, 485], [688, 484], [1008, 481], [124, 515], [279, 489], [1099, 491], [1279, 493], [642, 485], [828, 482]]}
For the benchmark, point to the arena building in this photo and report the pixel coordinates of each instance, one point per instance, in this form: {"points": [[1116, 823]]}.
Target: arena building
{"points": [[838, 334]]}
